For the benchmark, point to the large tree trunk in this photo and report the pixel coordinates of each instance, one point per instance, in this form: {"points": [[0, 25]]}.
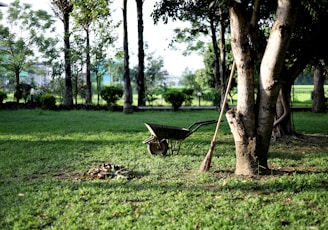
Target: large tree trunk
{"points": [[141, 56], [250, 126], [271, 66], [127, 107], [242, 118], [319, 101]]}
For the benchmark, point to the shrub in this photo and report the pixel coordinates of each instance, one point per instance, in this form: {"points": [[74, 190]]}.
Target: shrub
{"points": [[213, 96], [189, 96], [22, 91], [37, 98], [48, 101], [151, 96], [111, 94], [175, 98], [3, 96]]}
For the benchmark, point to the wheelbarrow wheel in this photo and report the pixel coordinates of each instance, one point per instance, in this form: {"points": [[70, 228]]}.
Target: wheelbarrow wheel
{"points": [[158, 148]]}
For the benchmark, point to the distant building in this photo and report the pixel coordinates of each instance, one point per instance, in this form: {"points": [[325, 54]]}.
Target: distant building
{"points": [[41, 74], [106, 77], [41, 77], [170, 80]]}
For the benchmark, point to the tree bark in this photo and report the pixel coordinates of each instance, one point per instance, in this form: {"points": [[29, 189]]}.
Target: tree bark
{"points": [[68, 101], [216, 55], [270, 70], [223, 70], [141, 56], [284, 126], [252, 126], [127, 107], [242, 118], [319, 100]]}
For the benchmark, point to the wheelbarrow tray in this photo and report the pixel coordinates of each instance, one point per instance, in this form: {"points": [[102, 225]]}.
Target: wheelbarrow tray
{"points": [[164, 137], [168, 132]]}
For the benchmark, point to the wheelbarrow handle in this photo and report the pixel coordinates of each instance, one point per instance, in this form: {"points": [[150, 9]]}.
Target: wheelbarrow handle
{"points": [[195, 126]]}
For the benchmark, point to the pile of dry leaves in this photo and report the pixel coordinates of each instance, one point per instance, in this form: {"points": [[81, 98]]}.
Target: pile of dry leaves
{"points": [[109, 171]]}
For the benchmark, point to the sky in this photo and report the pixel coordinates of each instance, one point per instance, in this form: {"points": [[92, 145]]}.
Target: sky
{"points": [[156, 36]]}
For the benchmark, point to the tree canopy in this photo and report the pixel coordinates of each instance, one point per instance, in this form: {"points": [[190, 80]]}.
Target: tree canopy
{"points": [[26, 38]]}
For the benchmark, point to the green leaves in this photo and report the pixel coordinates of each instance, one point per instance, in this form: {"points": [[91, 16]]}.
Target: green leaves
{"points": [[25, 36]]}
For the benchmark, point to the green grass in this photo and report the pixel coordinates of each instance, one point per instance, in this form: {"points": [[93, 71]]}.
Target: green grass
{"points": [[44, 155], [301, 95]]}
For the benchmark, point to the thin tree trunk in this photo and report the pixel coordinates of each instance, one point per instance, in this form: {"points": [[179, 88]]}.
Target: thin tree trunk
{"points": [[76, 86], [88, 77], [223, 70], [216, 55], [282, 125], [98, 86], [17, 77], [319, 101], [67, 55], [127, 107], [17, 81], [141, 56]]}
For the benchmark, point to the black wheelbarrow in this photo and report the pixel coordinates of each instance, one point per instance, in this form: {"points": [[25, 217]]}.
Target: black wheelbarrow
{"points": [[169, 137]]}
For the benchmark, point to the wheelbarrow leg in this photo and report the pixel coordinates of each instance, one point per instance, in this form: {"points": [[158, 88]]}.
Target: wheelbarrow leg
{"points": [[175, 146]]}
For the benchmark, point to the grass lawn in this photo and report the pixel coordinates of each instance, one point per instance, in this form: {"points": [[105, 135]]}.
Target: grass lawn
{"points": [[45, 155]]}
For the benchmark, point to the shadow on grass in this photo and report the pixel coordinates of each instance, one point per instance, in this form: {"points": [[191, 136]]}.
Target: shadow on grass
{"points": [[281, 180]]}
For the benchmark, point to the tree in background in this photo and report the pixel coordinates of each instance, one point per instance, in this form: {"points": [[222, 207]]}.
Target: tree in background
{"points": [[57, 83], [63, 10], [104, 36], [87, 14], [189, 80], [77, 65], [206, 20], [153, 76], [318, 97], [24, 39], [116, 68], [141, 56], [127, 107], [154, 73]]}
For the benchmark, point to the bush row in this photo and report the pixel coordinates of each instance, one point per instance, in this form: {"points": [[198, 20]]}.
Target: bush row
{"points": [[111, 94]]}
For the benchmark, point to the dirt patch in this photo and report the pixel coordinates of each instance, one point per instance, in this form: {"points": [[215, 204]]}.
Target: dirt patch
{"points": [[304, 139], [103, 171]]}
